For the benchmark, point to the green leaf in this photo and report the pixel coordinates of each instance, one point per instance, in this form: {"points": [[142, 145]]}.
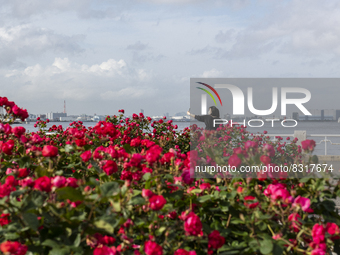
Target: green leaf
{"points": [[196, 191], [77, 240], [70, 193], [278, 250], [104, 225], [204, 198], [62, 251], [138, 200], [11, 236], [109, 189], [160, 230], [38, 198], [18, 193], [147, 176], [305, 179], [136, 192], [266, 246], [50, 243], [69, 148], [31, 220], [127, 147]]}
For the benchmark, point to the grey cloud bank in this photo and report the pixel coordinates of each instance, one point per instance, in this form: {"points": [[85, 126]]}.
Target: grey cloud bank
{"points": [[101, 56]]}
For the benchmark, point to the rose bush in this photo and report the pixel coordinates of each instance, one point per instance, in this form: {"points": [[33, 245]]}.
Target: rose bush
{"points": [[125, 186]]}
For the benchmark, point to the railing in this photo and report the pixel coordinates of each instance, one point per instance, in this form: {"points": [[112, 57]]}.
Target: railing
{"points": [[302, 135], [325, 140]]}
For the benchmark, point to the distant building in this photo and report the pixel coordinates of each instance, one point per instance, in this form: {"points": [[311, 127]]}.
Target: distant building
{"points": [[98, 118], [67, 118], [181, 114], [42, 116], [295, 116], [55, 116], [84, 117], [322, 115], [227, 116]]}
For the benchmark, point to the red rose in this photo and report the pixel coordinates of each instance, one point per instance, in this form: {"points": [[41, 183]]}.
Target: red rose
{"points": [[193, 224], [43, 184], [265, 159], [318, 252], [23, 172], [152, 248], [204, 186], [294, 218], [269, 150], [49, 151], [59, 181], [308, 145], [234, 161], [4, 219], [216, 241], [318, 233], [146, 193], [18, 131], [72, 182], [135, 142], [7, 147], [186, 177], [13, 248], [104, 250], [184, 252], [110, 167], [153, 154], [157, 202], [332, 229], [86, 156], [250, 145], [136, 159]]}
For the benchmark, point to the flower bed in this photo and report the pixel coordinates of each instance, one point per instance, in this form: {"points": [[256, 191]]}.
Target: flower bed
{"points": [[125, 187]]}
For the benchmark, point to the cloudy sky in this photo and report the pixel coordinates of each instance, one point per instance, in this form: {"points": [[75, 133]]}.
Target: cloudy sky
{"points": [[105, 55]]}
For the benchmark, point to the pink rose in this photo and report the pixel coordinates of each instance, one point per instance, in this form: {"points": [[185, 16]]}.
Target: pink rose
{"points": [[186, 177], [59, 181], [318, 233], [157, 202], [105, 250], [86, 156], [152, 248], [269, 150], [110, 167], [216, 241], [265, 159], [193, 224], [308, 145], [332, 228], [303, 202], [294, 218], [184, 252], [49, 151], [234, 161], [43, 184], [146, 193]]}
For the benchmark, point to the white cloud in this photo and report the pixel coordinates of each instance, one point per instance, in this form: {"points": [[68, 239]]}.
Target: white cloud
{"points": [[71, 80], [28, 41], [213, 73], [110, 67], [124, 94]]}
